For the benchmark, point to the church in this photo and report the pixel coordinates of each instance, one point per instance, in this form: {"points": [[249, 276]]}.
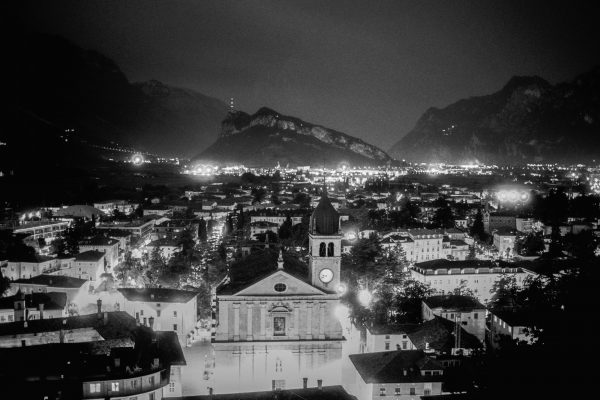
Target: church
{"points": [[279, 328]]}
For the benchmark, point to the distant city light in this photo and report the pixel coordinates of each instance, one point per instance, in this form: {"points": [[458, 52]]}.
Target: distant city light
{"points": [[512, 196], [137, 159]]}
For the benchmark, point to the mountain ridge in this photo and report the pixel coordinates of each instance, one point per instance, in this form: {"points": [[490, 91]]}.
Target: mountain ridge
{"points": [[268, 137], [527, 120], [82, 89]]}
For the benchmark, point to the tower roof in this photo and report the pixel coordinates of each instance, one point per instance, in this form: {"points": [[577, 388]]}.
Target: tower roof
{"points": [[325, 220]]}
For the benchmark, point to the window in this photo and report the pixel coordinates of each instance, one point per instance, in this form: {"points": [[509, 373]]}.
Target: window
{"points": [[387, 345], [114, 386], [330, 249], [142, 313], [397, 391], [158, 313], [387, 336], [171, 387], [174, 327], [151, 396], [279, 326], [94, 388], [322, 250], [151, 380], [475, 316], [412, 391], [280, 287], [427, 392], [157, 304], [382, 391], [404, 345], [175, 314]]}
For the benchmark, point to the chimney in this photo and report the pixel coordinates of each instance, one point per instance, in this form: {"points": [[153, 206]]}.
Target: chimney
{"points": [[304, 383], [105, 318], [320, 384], [41, 308], [99, 304]]}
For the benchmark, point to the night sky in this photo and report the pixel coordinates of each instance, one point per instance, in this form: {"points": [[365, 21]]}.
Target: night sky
{"points": [[367, 68]]}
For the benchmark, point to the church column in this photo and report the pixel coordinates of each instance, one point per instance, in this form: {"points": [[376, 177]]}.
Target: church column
{"points": [[249, 307], [322, 320], [236, 321], [309, 308], [263, 320], [296, 320]]}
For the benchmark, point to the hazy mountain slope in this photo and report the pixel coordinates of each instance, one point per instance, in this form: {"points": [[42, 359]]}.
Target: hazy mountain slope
{"points": [[528, 120], [267, 138], [82, 89]]}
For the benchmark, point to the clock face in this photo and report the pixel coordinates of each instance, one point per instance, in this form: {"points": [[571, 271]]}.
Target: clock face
{"points": [[326, 275]]}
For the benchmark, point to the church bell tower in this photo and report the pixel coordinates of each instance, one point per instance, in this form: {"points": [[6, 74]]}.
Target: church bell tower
{"points": [[325, 246]]}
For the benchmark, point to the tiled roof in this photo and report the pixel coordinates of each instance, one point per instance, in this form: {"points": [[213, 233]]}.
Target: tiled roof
{"points": [[90, 255], [119, 324], [58, 281], [99, 241], [312, 393], [51, 301], [438, 334], [159, 295], [453, 301], [395, 366]]}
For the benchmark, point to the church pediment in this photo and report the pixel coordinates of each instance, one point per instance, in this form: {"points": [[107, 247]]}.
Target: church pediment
{"points": [[280, 283]]}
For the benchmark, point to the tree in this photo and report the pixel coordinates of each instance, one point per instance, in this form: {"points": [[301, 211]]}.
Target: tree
{"points": [[4, 284], [582, 245], [444, 217], [259, 194], [478, 229], [202, 233], [58, 247], [532, 245], [285, 230], [464, 290], [302, 199]]}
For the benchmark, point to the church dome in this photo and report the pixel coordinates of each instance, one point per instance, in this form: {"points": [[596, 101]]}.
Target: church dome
{"points": [[324, 220]]}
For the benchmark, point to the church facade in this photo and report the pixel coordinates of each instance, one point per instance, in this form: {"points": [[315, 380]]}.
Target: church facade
{"points": [[281, 327]]}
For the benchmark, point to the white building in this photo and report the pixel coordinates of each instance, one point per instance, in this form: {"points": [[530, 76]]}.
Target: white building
{"points": [[401, 375], [170, 309], [444, 276], [469, 313], [108, 246], [28, 266]]}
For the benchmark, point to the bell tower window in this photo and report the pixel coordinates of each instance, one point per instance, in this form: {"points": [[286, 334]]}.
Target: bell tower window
{"points": [[322, 249], [330, 249]]}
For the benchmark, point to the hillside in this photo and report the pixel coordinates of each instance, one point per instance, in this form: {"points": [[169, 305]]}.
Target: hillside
{"points": [[527, 121], [267, 138]]}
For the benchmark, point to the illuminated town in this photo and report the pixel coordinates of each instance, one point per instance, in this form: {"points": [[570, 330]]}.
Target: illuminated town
{"points": [[157, 242]]}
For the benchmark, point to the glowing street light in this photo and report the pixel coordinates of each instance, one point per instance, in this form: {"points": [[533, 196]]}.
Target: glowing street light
{"points": [[365, 297]]}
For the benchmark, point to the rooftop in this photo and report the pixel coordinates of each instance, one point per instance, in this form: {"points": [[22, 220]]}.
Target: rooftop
{"points": [[454, 302], [395, 366], [57, 281], [326, 393], [51, 301], [118, 325], [162, 295], [99, 241], [89, 256]]}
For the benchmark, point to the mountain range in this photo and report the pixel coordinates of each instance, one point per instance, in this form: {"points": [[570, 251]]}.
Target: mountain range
{"points": [[266, 138], [528, 121], [69, 87]]}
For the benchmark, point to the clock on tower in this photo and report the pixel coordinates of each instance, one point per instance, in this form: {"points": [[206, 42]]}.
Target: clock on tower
{"points": [[325, 246]]}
